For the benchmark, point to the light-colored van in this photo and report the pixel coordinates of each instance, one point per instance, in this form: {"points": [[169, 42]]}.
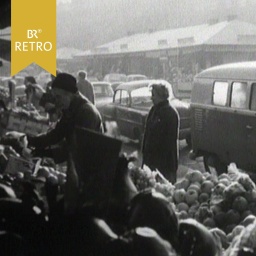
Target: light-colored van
{"points": [[223, 121]]}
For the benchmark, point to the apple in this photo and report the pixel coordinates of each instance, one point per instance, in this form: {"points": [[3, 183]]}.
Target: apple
{"points": [[212, 178], [225, 181], [191, 212], [179, 195], [19, 175], [195, 187], [207, 186], [204, 197], [183, 215], [232, 216], [219, 189], [53, 179], [43, 172], [196, 176], [250, 196], [182, 207], [191, 196], [216, 209], [184, 183], [209, 222], [240, 204], [224, 176], [220, 219], [233, 190]]}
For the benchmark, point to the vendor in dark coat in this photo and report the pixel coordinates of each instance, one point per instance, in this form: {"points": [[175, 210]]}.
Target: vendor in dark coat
{"points": [[76, 111], [160, 144]]}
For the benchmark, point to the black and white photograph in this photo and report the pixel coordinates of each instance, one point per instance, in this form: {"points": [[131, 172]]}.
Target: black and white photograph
{"points": [[143, 142]]}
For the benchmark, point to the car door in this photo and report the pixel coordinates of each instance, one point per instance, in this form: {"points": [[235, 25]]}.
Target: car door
{"points": [[124, 113]]}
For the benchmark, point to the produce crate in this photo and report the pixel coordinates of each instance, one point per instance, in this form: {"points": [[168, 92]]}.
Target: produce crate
{"points": [[29, 125], [18, 164]]}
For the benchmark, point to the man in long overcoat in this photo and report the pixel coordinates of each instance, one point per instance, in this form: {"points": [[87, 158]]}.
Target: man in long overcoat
{"points": [[160, 144]]}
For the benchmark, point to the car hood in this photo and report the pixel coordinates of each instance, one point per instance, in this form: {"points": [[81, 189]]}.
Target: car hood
{"points": [[181, 106]]}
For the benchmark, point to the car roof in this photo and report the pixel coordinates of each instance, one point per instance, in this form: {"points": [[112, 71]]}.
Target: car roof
{"points": [[238, 71], [130, 86], [135, 75], [101, 83]]}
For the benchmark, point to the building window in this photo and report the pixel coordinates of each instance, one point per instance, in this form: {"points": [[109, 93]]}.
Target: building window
{"points": [[220, 93], [238, 95], [253, 98]]}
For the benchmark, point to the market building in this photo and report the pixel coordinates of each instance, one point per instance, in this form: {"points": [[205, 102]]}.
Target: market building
{"points": [[187, 50]]}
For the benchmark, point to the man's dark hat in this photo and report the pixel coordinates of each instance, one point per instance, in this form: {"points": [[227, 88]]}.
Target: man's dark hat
{"points": [[65, 82]]}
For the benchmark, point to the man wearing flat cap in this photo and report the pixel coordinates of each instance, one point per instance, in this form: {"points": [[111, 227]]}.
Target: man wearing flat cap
{"points": [[76, 111], [160, 144]]}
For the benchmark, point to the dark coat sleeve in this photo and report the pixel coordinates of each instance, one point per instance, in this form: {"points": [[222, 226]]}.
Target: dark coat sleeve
{"points": [[50, 138]]}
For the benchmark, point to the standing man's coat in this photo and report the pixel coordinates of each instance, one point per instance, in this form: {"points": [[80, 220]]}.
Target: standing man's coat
{"points": [[160, 145]]}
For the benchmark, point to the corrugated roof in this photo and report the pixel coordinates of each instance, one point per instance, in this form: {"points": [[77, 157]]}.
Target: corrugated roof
{"points": [[226, 32], [67, 53]]}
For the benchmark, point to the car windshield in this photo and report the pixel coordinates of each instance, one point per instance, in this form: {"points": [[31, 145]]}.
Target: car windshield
{"points": [[103, 90], [141, 95]]}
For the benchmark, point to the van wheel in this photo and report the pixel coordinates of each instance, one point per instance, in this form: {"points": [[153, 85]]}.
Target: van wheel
{"points": [[211, 160]]}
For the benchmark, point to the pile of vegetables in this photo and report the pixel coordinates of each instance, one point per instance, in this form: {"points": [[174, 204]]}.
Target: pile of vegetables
{"points": [[225, 204]]}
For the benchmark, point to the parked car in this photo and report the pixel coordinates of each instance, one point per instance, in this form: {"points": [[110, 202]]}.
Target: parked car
{"points": [[223, 110], [18, 79], [103, 94], [43, 79], [115, 84], [92, 79], [130, 107], [115, 77], [135, 77]]}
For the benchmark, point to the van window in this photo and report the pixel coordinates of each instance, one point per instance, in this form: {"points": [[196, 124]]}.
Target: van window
{"points": [[238, 95], [253, 98], [220, 93]]}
